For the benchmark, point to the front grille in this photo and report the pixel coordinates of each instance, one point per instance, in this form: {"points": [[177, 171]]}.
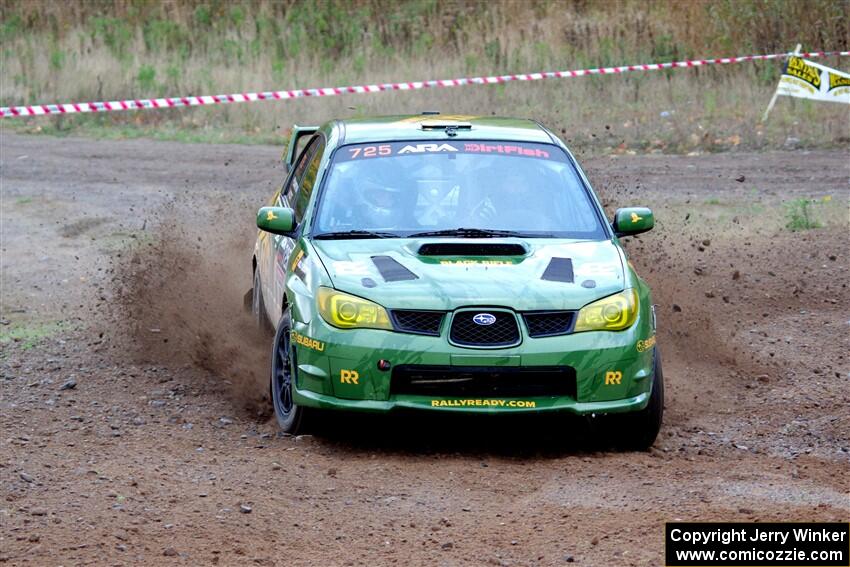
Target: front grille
{"points": [[502, 332], [419, 322], [548, 324], [484, 381]]}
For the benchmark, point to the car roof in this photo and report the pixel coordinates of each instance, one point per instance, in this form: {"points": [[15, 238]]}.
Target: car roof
{"points": [[410, 127]]}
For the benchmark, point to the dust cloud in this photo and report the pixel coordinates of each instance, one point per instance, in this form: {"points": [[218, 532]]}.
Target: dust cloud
{"points": [[179, 297]]}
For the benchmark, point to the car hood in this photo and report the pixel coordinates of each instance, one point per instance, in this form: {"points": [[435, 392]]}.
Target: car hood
{"points": [[538, 279]]}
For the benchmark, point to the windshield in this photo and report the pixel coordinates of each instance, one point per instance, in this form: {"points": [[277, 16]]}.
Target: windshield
{"points": [[474, 189]]}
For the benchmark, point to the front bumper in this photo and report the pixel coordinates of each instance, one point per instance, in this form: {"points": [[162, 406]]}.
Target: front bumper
{"points": [[338, 369], [468, 405]]}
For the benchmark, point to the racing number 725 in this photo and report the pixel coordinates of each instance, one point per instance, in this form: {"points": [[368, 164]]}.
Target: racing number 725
{"points": [[371, 151]]}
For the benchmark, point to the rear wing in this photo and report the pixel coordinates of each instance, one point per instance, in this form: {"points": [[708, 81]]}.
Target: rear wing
{"points": [[299, 135]]}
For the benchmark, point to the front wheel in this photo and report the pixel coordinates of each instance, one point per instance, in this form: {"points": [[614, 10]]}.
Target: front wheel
{"points": [[638, 430], [290, 416]]}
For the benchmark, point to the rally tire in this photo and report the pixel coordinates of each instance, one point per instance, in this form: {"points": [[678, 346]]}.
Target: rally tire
{"points": [[258, 306], [637, 431], [290, 416]]}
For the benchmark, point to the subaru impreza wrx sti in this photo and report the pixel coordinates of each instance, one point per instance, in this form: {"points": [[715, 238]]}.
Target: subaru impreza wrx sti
{"points": [[451, 264]]}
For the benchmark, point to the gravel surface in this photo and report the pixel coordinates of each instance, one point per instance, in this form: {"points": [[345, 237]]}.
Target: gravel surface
{"points": [[134, 429]]}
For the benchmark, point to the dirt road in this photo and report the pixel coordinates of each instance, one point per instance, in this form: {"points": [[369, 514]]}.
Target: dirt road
{"points": [[133, 430]]}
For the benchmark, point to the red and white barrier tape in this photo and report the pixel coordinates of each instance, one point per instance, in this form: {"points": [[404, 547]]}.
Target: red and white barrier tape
{"points": [[175, 102]]}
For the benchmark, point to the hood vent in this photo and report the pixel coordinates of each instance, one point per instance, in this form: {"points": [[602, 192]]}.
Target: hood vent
{"points": [[559, 270], [391, 270], [471, 249]]}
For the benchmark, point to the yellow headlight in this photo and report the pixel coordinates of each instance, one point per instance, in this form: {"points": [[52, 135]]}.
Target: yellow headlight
{"points": [[348, 312], [613, 313]]}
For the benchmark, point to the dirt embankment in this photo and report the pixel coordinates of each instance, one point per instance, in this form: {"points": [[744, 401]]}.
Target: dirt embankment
{"points": [[133, 433]]}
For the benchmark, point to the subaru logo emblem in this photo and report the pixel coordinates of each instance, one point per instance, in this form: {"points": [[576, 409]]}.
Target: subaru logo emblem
{"points": [[484, 319]]}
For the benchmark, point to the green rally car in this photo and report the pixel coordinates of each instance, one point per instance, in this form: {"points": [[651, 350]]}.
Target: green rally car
{"points": [[451, 264]]}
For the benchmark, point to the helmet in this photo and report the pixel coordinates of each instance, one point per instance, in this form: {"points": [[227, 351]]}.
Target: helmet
{"points": [[381, 201]]}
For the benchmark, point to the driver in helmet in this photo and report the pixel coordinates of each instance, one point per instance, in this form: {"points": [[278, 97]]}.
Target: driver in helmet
{"points": [[509, 200], [382, 202]]}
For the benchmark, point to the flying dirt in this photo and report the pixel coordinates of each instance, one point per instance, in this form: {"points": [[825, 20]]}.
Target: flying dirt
{"points": [[133, 395]]}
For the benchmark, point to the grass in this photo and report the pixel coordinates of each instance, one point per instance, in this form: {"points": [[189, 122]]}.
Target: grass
{"points": [[101, 50], [104, 128], [28, 335], [121, 241], [747, 209], [724, 212], [800, 215]]}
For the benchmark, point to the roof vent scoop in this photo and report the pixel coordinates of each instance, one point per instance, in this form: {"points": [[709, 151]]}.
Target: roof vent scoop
{"points": [[471, 249], [559, 270]]}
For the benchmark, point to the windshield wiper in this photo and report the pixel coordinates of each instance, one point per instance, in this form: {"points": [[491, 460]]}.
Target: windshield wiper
{"points": [[468, 233], [343, 235]]}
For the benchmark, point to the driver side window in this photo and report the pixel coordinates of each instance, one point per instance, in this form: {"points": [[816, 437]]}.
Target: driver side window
{"points": [[308, 182], [290, 192]]}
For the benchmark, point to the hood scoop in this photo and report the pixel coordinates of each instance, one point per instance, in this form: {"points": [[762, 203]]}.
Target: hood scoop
{"points": [[559, 270], [471, 249], [391, 270]]}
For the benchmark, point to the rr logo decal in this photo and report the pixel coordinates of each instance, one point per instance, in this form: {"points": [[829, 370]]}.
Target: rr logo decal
{"points": [[613, 378], [349, 376]]}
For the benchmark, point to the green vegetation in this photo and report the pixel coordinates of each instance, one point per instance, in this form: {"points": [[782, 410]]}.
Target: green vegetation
{"points": [[29, 334], [107, 128], [122, 241], [103, 50], [800, 215], [758, 210], [146, 78]]}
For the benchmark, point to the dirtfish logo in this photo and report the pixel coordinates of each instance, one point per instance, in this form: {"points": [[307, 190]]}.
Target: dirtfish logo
{"points": [[422, 148]]}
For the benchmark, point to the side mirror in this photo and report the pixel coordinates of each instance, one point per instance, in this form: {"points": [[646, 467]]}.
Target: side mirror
{"points": [[277, 220], [632, 220]]}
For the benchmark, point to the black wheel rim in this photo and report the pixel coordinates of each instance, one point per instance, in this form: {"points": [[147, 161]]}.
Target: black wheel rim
{"points": [[282, 374]]}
